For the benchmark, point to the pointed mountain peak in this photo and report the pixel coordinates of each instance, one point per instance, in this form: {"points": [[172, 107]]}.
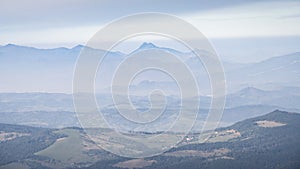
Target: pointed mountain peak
{"points": [[14, 47], [78, 47], [10, 45], [251, 89], [147, 45]]}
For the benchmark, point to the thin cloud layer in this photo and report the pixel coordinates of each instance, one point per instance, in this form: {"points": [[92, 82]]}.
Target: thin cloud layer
{"points": [[67, 23]]}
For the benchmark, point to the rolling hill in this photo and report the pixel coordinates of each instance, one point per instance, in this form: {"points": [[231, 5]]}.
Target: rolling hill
{"points": [[268, 141]]}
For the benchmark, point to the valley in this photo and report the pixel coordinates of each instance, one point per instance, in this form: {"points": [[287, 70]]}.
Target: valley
{"points": [[265, 141]]}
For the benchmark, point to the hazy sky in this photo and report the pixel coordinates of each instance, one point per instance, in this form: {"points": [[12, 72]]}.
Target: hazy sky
{"points": [[240, 30], [47, 24]]}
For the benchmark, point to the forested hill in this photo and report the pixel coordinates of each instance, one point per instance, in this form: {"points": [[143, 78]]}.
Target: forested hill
{"points": [[269, 141]]}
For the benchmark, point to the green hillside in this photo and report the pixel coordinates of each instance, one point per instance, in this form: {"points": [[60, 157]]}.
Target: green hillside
{"points": [[269, 141]]}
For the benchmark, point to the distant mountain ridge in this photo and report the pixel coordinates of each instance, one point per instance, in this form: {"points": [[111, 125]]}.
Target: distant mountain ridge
{"points": [[40, 109], [51, 70]]}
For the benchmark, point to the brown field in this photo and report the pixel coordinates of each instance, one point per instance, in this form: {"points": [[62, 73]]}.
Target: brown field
{"points": [[135, 163]]}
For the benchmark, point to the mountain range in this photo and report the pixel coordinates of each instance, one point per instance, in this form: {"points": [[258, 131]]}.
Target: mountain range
{"points": [[56, 110], [39, 126], [25, 69]]}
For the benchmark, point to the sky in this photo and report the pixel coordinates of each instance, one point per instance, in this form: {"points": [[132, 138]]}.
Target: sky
{"points": [[241, 31], [48, 24]]}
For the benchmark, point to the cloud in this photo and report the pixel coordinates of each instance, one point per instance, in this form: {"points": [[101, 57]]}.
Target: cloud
{"points": [[262, 19], [75, 21], [36, 13]]}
